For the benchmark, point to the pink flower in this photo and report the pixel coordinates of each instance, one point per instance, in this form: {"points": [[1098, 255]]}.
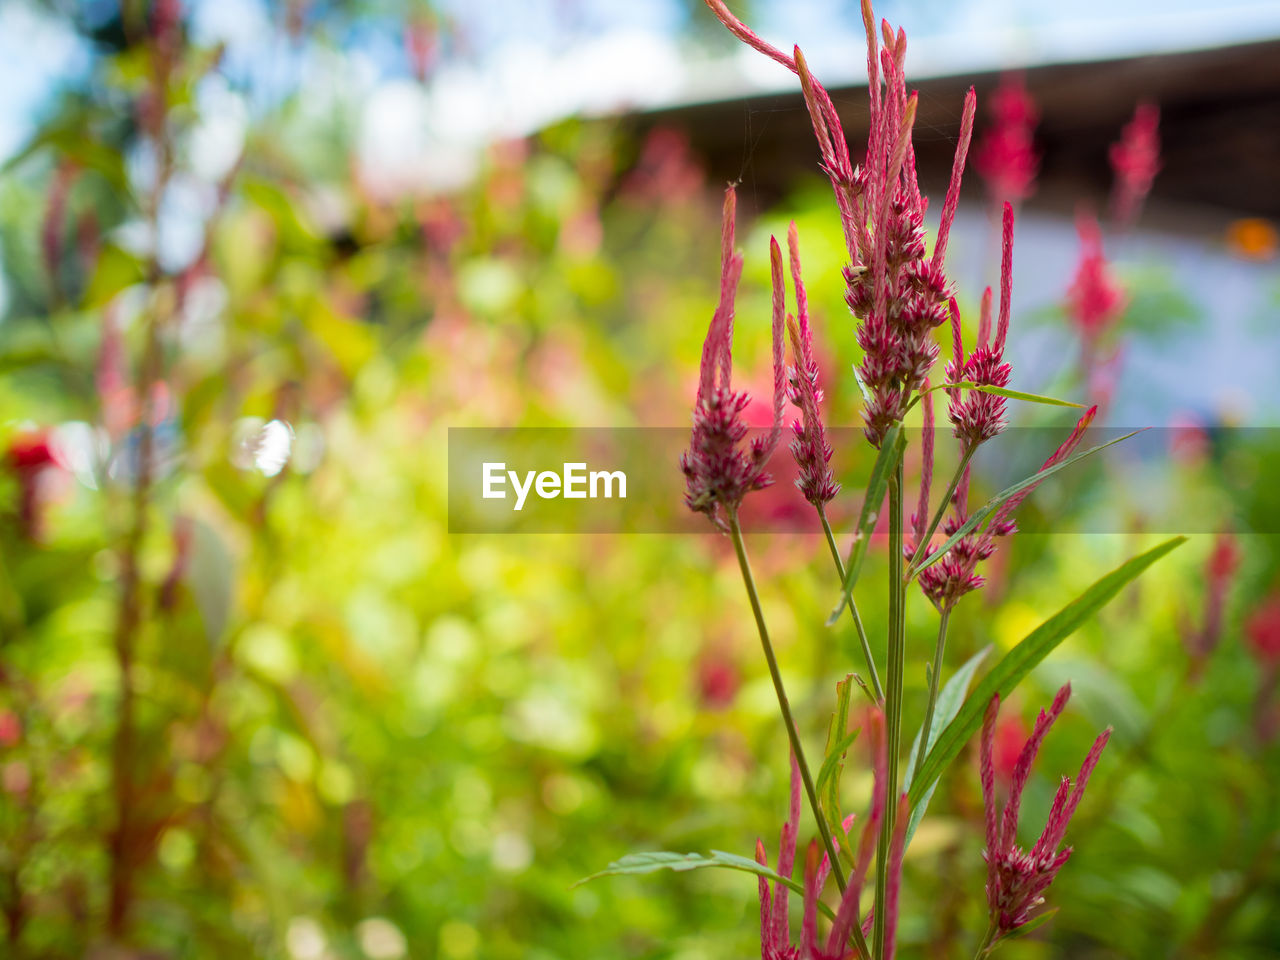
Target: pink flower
{"points": [[1263, 631], [1017, 879], [898, 293], [718, 471], [1219, 569], [947, 580], [775, 932], [29, 455], [1095, 299], [978, 416], [1135, 160], [1006, 157], [809, 447]]}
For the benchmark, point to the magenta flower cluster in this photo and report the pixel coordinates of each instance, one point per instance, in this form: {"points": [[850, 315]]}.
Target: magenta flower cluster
{"points": [[809, 446], [719, 470], [1017, 878]]}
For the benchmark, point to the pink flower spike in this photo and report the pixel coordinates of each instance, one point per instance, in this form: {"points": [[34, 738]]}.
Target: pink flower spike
{"points": [[809, 447], [1002, 522], [1135, 160], [893, 887], [1022, 770], [787, 856], [987, 772], [1016, 880], [1006, 278], [984, 319], [953, 188], [1006, 157], [718, 474], [809, 927], [1063, 810]]}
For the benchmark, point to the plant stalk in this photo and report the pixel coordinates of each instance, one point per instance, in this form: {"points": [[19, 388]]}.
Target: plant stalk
{"points": [[934, 683], [783, 703], [988, 943], [923, 546], [893, 702], [853, 610]]}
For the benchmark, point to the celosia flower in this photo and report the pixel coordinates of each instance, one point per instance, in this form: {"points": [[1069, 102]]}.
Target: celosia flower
{"points": [[978, 416], [775, 930], [809, 447], [1017, 879], [1095, 299], [947, 580], [28, 456], [1219, 568], [1006, 156], [1263, 631], [898, 293], [718, 471], [1135, 160]]}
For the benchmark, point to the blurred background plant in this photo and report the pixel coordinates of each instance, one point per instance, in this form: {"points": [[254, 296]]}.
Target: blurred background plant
{"points": [[254, 698]]}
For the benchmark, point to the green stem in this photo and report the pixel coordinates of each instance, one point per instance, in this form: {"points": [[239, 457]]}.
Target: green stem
{"points": [[783, 703], [853, 609], [923, 546], [934, 676], [988, 943], [893, 702]]}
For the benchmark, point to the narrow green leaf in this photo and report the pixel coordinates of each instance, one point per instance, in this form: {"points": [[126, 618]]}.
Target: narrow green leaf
{"points": [[829, 765], [999, 392], [641, 863], [1019, 661], [992, 505], [1034, 923], [891, 449], [950, 699]]}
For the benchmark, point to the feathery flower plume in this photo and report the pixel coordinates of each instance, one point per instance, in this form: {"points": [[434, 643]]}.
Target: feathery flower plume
{"points": [[950, 578], [1263, 631], [1017, 879], [1095, 303], [978, 416], [718, 472], [1007, 158], [775, 933], [897, 292], [809, 447], [1135, 161], [1219, 569], [1095, 299]]}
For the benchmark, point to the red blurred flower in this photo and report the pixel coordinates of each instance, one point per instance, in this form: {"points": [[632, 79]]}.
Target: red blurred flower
{"points": [[29, 455], [1006, 157], [1135, 159], [10, 728], [1263, 631], [718, 679]]}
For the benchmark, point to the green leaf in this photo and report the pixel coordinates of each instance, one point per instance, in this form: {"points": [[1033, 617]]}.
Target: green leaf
{"points": [[639, 863], [990, 507], [891, 449], [999, 392], [950, 699], [1037, 921], [830, 764], [1019, 661]]}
